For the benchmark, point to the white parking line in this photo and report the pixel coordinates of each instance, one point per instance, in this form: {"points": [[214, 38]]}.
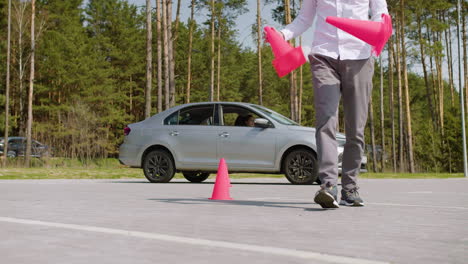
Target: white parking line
{"points": [[200, 242]]}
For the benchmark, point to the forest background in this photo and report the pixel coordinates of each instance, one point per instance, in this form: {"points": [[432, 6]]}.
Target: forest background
{"points": [[91, 78]]}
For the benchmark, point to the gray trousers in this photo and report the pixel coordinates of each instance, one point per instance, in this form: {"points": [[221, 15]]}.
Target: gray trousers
{"points": [[333, 79]]}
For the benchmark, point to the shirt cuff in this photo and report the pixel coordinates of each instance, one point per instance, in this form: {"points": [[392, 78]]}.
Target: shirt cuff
{"points": [[288, 34]]}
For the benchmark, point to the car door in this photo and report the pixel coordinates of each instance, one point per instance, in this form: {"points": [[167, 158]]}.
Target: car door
{"points": [[244, 148], [192, 137], [18, 145]]}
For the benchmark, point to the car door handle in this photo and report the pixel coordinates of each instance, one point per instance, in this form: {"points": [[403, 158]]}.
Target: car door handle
{"points": [[224, 134], [174, 133]]}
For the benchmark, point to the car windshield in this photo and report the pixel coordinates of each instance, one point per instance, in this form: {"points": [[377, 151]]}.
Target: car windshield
{"points": [[274, 115]]}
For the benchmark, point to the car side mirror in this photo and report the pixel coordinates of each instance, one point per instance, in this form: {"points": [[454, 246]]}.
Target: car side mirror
{"points": [[262, 122]]}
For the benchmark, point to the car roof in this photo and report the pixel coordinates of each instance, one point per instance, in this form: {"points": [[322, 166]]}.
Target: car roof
{"points": [[178, 107], [1, 138], [22, 138], [222, 102]]}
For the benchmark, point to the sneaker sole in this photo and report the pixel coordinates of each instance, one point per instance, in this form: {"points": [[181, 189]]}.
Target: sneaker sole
{"points": [[326, 200], [345, 203]]}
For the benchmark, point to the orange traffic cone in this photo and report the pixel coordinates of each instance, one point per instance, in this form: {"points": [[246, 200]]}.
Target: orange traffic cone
{"points": [[222, 183], [373, 33], [287, 58]]}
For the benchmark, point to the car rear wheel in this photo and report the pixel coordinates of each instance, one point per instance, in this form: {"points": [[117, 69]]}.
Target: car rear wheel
{"points": [[301, 167], [158, 166], [196, 176]]}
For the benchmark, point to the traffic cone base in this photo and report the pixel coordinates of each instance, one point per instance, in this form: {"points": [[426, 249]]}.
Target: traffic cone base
{"points": [[222, 183], [371, 32], [289, 62], [287, 58]]}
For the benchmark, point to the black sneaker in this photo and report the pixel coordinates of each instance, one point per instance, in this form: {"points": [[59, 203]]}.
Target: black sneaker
{"points": [[351, 198], [326, 197]]}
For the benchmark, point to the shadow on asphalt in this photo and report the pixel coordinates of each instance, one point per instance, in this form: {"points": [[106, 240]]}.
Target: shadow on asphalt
{"points": [[234, 183], [242, 202]]}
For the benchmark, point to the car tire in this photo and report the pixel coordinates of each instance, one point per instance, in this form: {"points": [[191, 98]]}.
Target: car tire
{"points": [[301, 167], [158, 166], [12, 154], [196, 176]]}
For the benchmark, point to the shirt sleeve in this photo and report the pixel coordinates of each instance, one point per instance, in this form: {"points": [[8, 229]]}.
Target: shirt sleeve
{"points": [[303, 21], [378, 7]]}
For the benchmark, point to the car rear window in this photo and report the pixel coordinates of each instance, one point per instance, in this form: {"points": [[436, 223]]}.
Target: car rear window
{"points": [[202, 115], [173, 119]]}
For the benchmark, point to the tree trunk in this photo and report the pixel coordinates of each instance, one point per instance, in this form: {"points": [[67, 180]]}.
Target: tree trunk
{"points": [[434, 87], [7, 89], [218, 71], [405, 75], [392, 111], [166, 55], [159, 34], [177, 22], [31, 88], [371, 126], [189, 62], [426, 81], [439, 81], [382, 116], [259, 53], [172, 88], [212, 54], [301, 81], [149, 59], [20, 15], [292, 76], [448, 46], [400, 104]]}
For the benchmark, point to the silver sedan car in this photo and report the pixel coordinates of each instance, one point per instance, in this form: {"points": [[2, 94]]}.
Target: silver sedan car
{"points": [[192, 138]]}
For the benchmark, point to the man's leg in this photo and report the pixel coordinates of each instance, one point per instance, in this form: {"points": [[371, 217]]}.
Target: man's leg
{"points": [[356, 78], [327, 97]]}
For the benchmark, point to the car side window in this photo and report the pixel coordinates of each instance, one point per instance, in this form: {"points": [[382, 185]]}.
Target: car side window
{"points": [[15, 142], [238, 116], [202, 115]]}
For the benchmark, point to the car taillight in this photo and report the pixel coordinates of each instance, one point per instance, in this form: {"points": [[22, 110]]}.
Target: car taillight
{"points": [[127, 130]]}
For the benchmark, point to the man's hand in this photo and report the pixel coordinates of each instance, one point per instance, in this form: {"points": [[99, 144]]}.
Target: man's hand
{"points": [[265, 37]]}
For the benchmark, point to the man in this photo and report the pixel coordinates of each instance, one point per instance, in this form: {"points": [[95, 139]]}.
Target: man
{"points": [[341, 65]]}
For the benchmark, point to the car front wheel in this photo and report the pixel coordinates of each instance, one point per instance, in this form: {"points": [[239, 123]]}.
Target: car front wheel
{"points": [[158, 166], [196, 176], [301, 167]]}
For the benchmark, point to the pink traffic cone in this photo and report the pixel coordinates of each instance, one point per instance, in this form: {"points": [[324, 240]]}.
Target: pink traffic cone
{"points": [[287, 58], [222, 183], [371, 32]]}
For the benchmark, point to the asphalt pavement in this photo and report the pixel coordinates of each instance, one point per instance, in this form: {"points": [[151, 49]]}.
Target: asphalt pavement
{"points": [[268, 221]]}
